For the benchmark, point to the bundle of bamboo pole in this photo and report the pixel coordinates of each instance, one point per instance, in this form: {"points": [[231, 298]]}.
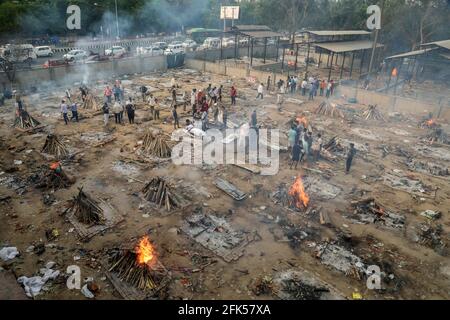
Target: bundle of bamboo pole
{"points": [[156, 145], [87, 209], [54, 147], [124, 263], [327, 108], [25, 121], [372, 113], [159, 192], [334, 145]]}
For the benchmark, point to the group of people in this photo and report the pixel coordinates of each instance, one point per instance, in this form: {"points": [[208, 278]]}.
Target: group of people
{"points": [[118, 110], [312, 85], [73, 106]]}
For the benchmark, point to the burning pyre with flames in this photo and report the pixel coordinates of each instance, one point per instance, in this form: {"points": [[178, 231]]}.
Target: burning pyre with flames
{"points": [[137, 267], [298, 193], [303, 121], [294, 197]]}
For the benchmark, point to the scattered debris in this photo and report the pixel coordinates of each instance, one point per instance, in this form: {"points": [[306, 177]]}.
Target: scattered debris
{"points": [[370, 211], [216, 234], [340, 259], [51, 178], [8, 253], [34, 285], [427, 167], [430, 214], [230, 189]]}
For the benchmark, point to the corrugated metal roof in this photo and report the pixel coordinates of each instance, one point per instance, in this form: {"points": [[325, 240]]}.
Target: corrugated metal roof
{"points": [[410, 54], [443, 44], [249, 27], [347, 46], [339, 32], [261, 34]]}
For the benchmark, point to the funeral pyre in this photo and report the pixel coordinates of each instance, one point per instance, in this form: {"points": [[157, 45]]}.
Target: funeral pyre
{"points": [[372, 113], [295, 198], [330, 109], [87, 210], [159, 192], [138, 266], [156, 145], [55, 147], [51, 177], [25, 121]]}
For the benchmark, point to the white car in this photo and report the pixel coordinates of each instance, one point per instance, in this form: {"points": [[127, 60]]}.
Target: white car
{"points": [[43, 51], [227, 43], [115, 51], [75, 55], [175, 43], [174, 49], [151, 51], [189, 44], [161, 45]]}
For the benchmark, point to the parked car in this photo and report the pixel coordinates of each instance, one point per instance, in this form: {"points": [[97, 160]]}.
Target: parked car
{"points": [[243, 42], [96, 58], [115, 51], [190, 44], [76, 55], [161, 45], [228, 43], [43, 51], [174, 49], [154, 51], [211, 43]]}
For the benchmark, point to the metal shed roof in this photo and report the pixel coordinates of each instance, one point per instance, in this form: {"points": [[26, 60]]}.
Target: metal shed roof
{"points": [[410, 54], [347, 46], [250, 27], [261, 34], [443, 44], [339, 32]]}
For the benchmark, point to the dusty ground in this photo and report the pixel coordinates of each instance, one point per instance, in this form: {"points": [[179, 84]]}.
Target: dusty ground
{"points": [[417, 271]]}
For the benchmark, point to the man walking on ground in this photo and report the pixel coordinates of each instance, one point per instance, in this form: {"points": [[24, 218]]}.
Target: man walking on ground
{"points": [[143, 92], [64, 110], [296, 151], [304, 85], [323, 86], [351, 153], [329, 85], [233, 94], [268, 84], [260, 91], [117, 109], [176, 121], [156, 110], [105, 109], [130, 111], [74, 110]]}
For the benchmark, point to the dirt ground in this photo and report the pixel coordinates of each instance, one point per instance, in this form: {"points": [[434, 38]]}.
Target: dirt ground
{"points": [[412, 270]]}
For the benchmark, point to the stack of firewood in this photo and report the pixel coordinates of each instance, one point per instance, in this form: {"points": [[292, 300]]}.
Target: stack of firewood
{"points": [[25, 121], [334, 145], [159, 192], [156, 145], [372, 113], [54, 147], [87, 210], [90, 103], [330, 109], [124, 263]]}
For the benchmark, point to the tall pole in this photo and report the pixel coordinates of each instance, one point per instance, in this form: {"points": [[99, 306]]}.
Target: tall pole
{"points": [[117, 21], [374, 47]]}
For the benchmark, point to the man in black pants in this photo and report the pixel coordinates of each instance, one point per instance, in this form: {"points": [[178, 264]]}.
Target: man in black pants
{"points": [[296, 151], [176, 121], [74, 112], [130, 111], [351, 153]]}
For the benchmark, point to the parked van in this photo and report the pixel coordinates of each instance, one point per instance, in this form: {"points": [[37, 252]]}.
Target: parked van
{"points": [[43, 51], [211, 43], [174, 49]]}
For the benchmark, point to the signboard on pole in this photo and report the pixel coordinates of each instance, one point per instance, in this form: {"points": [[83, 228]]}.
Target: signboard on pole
{"points": [[229, 12]]}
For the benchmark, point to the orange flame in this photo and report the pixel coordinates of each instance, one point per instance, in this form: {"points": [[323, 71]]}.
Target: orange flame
{"points": [[303, 120], [430, 122], [298, 192], [145, 253]]}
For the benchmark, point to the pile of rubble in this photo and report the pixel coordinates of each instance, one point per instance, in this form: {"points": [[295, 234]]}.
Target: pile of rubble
{"points": [[51, 178], [370, 211]]}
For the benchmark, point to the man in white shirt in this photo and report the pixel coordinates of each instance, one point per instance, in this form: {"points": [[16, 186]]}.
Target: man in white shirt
{"points": [[260, 91], [64, 111], [304, 85]]}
